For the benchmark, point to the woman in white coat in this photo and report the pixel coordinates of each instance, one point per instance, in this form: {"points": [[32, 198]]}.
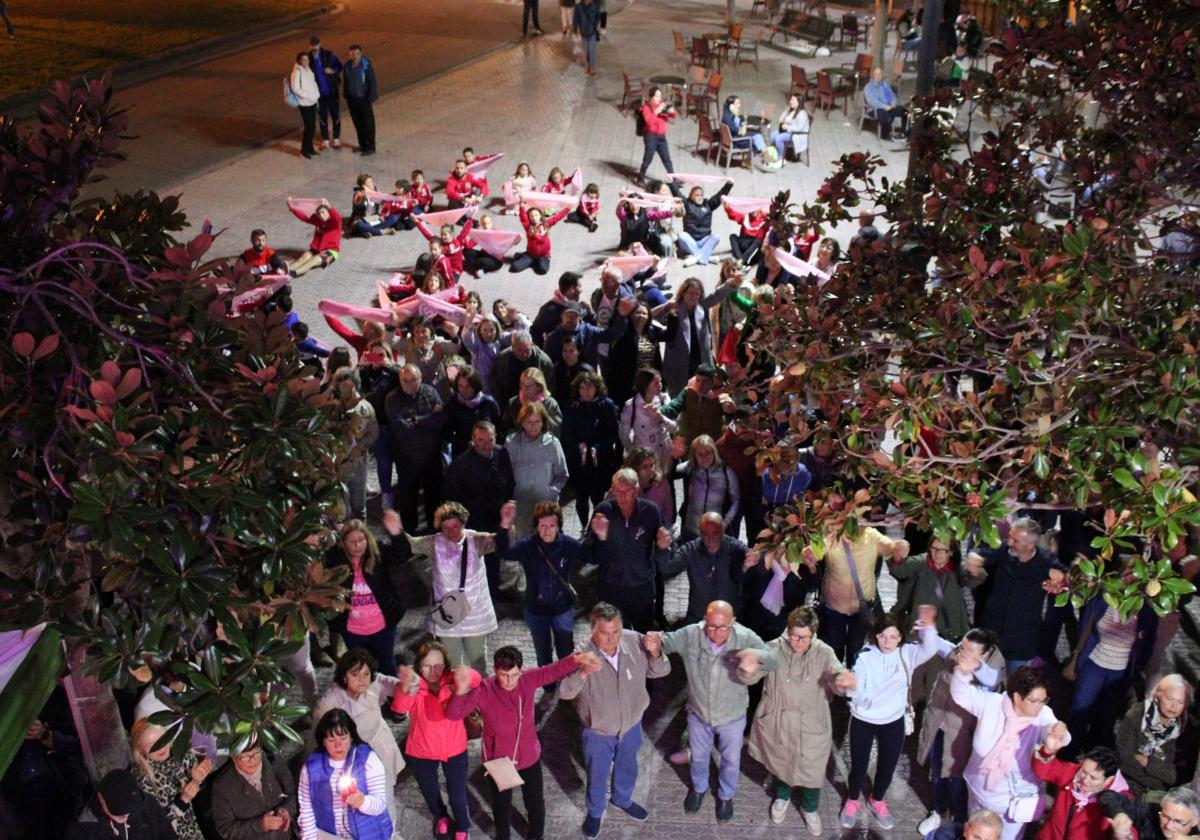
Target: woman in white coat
{"points": [[304, 87], [1008, 727], [360, 690]]}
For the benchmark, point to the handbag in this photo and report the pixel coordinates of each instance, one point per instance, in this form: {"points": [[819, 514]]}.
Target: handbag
{"points": [[1024, 802], [503, 770], [866, 609], [453, 606], [289, 96], [910, 714]]}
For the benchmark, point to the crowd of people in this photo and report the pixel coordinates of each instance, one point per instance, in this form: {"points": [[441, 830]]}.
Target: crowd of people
{"points": [[482, 424]]}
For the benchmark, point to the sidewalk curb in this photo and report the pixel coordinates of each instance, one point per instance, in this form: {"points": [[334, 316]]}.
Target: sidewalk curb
{"points": [[24, 105]]}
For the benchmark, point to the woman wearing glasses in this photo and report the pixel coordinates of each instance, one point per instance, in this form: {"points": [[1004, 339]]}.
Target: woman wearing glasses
{"points": [[935, 578]]}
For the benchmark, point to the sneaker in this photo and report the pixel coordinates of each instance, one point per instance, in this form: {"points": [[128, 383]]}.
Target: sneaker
{"points": [[724, 809], [930, 824], [537, 31], [680, 757], [461, 835], [591, 825], [337, 144], [441, 829], [635, 811], [692, 803], [850, 813], [691, 260], [882, 815], [812, 821], [778, 810]]}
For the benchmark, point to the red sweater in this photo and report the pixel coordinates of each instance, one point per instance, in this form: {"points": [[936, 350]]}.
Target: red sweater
{"points": [[452, 251], [753, 224], [553, 188], [460, 189], [422, 195], [804, 249], [655, 124], [327, 235], [430, 733], [402, 204], [1088, 822], [500, 709], [352, 338], [253, 259], [537, 239], [590, 206]]}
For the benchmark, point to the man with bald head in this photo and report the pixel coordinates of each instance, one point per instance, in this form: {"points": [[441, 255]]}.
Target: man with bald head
{"points": [[720, 658]]}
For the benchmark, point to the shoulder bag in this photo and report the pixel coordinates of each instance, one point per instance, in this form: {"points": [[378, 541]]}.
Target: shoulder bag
{"points": [[503, 770], [866, 609], [453, 606], [566, 584]]}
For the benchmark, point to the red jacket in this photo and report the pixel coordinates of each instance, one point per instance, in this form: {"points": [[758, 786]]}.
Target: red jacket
{"points": [[553, 188], [590, 206], [460, 189], [253, 259], [1088, 822], [400, 205], [422, 195], [753, 224], [453, 251], [804, 249], [327, 235], [537, 239], [655, 124], [351, 337]]}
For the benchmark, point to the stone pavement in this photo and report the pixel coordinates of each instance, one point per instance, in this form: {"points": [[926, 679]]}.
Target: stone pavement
{"points": [[533, 102]]}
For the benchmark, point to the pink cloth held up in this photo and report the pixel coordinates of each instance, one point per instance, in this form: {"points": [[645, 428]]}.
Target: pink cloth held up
{"points": [[533, 198], [574, 185], [685, 178], [748, 205], [251, 299], [799, 267], [496, 242], [628, 266], [446, 217], [306, 206], [350, 310], [482, 163]]}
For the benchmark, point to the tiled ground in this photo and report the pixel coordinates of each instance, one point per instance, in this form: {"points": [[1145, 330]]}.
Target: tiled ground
{"points": [[533, 103]]}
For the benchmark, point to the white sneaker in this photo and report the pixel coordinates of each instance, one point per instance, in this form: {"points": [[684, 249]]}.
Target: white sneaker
{"points": [[930, 823], [337, 144], [812, 821], [778, 810], [691, 260]]}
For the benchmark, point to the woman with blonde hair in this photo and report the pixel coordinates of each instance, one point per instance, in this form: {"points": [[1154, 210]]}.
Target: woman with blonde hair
{"points": [[532, 388], [376, 603], [709, 486], [171, 782]]}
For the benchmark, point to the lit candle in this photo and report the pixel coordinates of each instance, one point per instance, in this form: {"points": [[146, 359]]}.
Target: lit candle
{"points": [[346, 786]]}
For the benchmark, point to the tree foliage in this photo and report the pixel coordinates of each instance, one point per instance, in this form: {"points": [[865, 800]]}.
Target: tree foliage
{"points": [[1042, 359], [164, 468]]}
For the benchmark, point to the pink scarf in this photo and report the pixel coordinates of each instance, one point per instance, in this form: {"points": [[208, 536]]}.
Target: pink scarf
{"points": [[1003, 754], [1083, 799]]}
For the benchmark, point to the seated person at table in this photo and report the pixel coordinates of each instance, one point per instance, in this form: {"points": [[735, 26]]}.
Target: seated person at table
{"points": [[882, 99], [793, 128], [732, 117]]}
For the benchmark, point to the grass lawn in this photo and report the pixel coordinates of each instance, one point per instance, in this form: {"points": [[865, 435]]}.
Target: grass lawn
{"points": [[64, 39]]}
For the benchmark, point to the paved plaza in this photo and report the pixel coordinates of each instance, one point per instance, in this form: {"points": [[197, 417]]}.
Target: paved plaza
{"points": [[532, 101]]}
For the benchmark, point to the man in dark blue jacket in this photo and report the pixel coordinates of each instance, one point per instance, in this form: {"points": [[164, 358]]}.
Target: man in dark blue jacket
{"points": [[358, 79], [328, 69]]}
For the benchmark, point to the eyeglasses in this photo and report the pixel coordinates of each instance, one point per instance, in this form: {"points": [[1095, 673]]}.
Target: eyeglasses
{"points": [[720, 628], [432, 666], [249, 755], [1040, 701]]}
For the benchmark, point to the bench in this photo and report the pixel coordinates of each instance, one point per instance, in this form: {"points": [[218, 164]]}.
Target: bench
{"points": [[812, 28]]}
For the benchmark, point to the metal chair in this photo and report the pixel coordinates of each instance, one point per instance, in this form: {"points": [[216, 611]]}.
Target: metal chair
{"points": [[730, 151], [706, 136], [635, 91], [765, 5], [799, 82], [828, 95], [868, 114]]}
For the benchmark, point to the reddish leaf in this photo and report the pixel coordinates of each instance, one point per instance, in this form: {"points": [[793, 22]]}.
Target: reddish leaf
{"points": [[82, 413], [129, 383], [111, 372], [125, 439], [976, 257], [102, 392], [46, 346], [22, 344]]}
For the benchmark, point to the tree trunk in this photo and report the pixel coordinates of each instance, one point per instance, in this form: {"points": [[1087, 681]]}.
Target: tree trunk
{"points": [[882, 10], [97, 719]]}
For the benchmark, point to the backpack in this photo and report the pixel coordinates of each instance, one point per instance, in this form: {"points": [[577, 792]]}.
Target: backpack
{"points": [[639, 122], [289, 96]]}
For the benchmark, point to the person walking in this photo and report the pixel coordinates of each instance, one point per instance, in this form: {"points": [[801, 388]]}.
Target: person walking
{"points": [[304, 87], [7, 23], [361, 89], [587, 26], [656, 114], [610, 704], [531, 9], [327, 68]]}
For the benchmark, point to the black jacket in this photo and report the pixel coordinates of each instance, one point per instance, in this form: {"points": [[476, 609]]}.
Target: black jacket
{"points": [[384, 586], [480, 485], [461, 419], [237, 807], [547, 567], [697, 218], [147, 821], [710, 577], [359, 82], [593, 424], [1013, 599]]}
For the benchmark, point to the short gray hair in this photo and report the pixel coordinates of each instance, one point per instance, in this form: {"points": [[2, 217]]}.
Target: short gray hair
{"points": [[413, 368], [625, 475], [522, 336], [986, 818], [1028, 525], [1173, 681], [604, 611], [1186, 797]]}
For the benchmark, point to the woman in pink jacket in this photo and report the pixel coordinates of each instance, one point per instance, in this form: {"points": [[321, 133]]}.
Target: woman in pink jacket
{"points": [[433, 739]]}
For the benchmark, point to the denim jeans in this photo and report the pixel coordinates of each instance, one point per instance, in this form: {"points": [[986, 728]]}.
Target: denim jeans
{"points": [[753, 141], [455, 770], [1091, 708], [728, 737], [780, 140], [605, 755], [382, 450], [546, 628], [702, 250], [589, 49], [381, 645]]}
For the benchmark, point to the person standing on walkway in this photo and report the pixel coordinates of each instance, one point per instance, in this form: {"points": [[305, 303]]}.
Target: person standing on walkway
{"points": [[610, 704], [304, 88], [361, 92], [7, 23], [720, 657], [587, 27], [655, 115], [327, 69], [531, 8]]}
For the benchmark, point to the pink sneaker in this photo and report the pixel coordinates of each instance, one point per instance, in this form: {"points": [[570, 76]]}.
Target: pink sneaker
{"points": [[442, 829], [849, 817], [882, 815]]}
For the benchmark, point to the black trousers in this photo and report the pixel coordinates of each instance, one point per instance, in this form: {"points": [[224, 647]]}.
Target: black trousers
{"points": [[890, 737], [744, 248], [655, 143], [475, 259], [522, 261], [308, 115], [330, 110], [535, 804], [531, 8], [362, 114], [636, 605]]}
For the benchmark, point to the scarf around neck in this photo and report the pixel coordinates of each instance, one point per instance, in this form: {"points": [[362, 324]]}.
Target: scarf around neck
{"points": [[1002, 757]]}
